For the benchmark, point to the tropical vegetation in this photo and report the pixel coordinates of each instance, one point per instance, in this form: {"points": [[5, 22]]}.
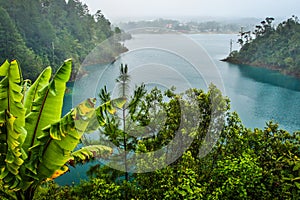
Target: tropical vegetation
{"points": [[205, 151], [274, 47], [224, 159], [45, 32], [36, 144]]}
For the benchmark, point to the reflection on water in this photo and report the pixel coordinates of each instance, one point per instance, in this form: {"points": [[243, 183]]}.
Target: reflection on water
{"points": [[270, 77], [257, 94], [269, 96]]}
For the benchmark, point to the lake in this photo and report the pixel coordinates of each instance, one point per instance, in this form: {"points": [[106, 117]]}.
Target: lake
{"points": [[164, 60]]}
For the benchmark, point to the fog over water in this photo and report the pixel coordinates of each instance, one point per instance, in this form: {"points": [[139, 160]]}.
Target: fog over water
{"points": [[120, 10]]}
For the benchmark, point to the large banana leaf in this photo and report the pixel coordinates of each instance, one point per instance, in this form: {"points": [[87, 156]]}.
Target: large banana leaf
{"points": [[4, 68], [61, 138], [32, 94], [48, 140], [48, 101], [12, 115], [83, 155], [89, 152], [10, 92]]}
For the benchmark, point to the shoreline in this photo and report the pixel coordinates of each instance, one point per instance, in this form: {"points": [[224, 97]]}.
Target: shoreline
{"points": [[182, 32], [273, 68]]}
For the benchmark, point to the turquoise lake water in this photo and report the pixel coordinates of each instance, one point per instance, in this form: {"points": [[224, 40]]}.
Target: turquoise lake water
{"points": [[257, 95]]}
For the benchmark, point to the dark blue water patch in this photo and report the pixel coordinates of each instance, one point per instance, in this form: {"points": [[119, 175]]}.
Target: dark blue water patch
{"points": [[76, 175], [270, 77]]}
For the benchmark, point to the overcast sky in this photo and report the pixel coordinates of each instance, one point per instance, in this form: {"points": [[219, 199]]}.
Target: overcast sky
{"points": [[131, 9]]}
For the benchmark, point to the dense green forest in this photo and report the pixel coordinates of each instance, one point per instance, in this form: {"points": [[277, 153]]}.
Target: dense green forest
{"points": [[244, 164], [46, 32], [272, 47]]}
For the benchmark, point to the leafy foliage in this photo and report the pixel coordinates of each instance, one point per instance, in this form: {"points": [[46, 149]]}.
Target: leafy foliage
{"points": [[36, 144], [93, 189], [243, 164]]}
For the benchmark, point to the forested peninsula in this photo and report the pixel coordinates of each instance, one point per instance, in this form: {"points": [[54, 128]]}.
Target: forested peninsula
{"points": [[46, 32], [269, 46]]}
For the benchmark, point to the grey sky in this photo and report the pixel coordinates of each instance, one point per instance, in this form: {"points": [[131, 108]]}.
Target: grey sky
{"points": [[130, 9]]}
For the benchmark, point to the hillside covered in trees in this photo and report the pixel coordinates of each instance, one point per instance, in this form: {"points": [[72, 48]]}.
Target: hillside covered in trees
{"points": [[46, 32], [272, 47]]}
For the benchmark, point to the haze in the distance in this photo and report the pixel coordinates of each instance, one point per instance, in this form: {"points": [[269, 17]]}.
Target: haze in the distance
{"points": [[123, 10]]}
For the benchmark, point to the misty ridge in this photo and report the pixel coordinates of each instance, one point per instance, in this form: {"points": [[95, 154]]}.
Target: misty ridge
{"points": [[194, 25]]}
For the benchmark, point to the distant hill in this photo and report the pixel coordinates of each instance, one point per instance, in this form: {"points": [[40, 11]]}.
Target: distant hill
{"points": [[273, 47], [194, 26], [46, 32]]}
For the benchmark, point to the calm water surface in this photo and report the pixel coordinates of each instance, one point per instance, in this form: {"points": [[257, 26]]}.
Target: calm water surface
{"points": [[257, 95]]}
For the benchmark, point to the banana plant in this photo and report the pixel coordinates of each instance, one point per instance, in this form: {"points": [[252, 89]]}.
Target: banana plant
{"points": [[36, 144]]}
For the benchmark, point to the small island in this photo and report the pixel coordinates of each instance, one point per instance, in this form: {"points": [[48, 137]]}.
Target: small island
{"points": [[269, 46]]}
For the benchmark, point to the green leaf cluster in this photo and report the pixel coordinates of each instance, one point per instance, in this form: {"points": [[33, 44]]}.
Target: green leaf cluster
{"points": [[36, 144], [225, 160], [243, 163]]}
